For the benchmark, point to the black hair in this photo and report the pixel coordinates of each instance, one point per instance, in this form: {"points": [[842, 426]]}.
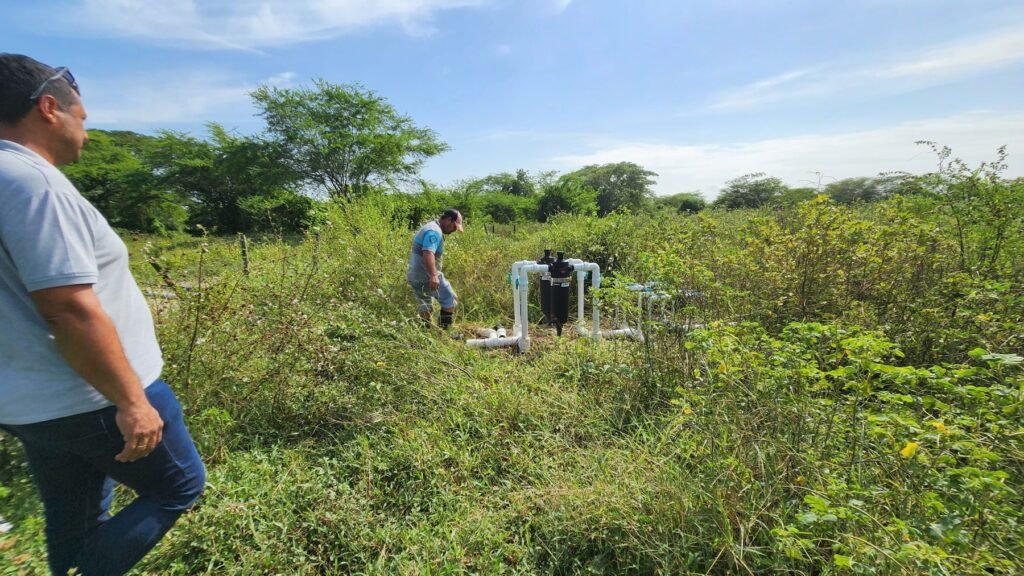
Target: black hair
{"points": [[451, 214], [20, 76]]}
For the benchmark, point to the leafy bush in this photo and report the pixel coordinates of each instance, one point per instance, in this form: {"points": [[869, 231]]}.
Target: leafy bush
{"points": [[504, 208], [280, 211]]}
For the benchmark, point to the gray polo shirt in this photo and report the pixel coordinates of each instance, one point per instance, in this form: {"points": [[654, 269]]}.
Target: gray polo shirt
{"points": [[430, 238], [51, 236]]}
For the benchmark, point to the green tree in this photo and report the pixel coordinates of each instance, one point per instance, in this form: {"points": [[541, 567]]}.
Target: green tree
{"points": [[116, 178], [280, 210], [217, 174], [794, 196], [518, 184], [566, 195], [684, 202], [622, 186], [750, 191], [523, 185], [414, 208], [853, 190], [345, 139], [507, 208]]}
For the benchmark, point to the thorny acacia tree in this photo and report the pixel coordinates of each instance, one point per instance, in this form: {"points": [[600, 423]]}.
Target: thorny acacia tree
{"points": [[345, 138]]}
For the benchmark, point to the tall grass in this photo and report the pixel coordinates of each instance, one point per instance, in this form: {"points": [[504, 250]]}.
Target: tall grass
{"points": [[852, 404]]}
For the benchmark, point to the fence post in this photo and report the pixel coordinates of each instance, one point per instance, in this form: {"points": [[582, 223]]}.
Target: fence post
{"points": [[316, 248], [244, 243]]}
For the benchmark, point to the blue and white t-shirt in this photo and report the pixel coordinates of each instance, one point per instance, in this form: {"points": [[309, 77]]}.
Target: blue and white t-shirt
{"points": [[52, 236], [429, 237]]}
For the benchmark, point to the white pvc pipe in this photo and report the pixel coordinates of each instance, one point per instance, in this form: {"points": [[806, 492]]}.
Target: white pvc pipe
{"points": [[627, 332], [581, 276], [520, 299], [493, 339], [582, 268], [517, 325], [494, 342], [524, 289]]}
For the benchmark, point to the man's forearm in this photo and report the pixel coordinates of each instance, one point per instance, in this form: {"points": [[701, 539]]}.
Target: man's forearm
{"points": [[429, 262], [92, 348], [88, 340]]}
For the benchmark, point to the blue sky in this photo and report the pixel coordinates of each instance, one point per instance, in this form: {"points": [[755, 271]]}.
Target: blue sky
{"points": [[699, 91]]}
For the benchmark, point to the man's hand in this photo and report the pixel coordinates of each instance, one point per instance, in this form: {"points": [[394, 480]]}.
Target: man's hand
{"points": [[88, 340], [435, 283], [142, 429]]}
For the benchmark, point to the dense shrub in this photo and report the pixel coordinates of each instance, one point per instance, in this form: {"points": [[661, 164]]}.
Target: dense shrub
{"points": [[280, 211]]}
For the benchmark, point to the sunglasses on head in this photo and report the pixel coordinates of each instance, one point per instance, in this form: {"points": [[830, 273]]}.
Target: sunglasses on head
{"points": [[61, 72]]}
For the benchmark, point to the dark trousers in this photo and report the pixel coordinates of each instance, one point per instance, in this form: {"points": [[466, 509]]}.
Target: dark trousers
{"points": [[72, 464]]}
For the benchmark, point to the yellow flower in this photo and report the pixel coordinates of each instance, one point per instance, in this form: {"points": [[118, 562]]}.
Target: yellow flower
{"points": [[381, 364], [800, 479], [910, 449], [939, 426], [687, 410], [723, 368]]}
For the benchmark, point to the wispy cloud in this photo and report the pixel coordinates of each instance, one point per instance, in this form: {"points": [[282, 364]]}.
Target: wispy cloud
{"points": [[760, 90], [961, 59], [560, 5], [149, 102], [973, 136], [931, 66], [243, 24]]}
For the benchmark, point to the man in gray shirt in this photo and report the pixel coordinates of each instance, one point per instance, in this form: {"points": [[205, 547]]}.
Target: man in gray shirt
{"points": [[79, 360], [425, 261]]}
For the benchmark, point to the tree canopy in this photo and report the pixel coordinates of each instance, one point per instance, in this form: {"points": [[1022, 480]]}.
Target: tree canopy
{"points": [[621, 186], [862, 189], [567, 195], [218, 173], [750, 191], [518, 184], [345, 138], [684, 202], [114, 173]]}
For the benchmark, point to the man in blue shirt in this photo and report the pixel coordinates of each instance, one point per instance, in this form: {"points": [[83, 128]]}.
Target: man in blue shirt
{"points": [[80, 364], [425, 276]]}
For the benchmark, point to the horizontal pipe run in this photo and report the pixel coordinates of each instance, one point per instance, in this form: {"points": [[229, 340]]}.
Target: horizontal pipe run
{"points": [[495, 342], [632, 333]]}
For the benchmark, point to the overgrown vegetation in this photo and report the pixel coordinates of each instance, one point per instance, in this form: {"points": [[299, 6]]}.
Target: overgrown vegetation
{"points": [[834, 389]]}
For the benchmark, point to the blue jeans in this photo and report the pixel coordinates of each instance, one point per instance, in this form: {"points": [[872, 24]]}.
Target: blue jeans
{"points": [[445, 294], [72, 464]]}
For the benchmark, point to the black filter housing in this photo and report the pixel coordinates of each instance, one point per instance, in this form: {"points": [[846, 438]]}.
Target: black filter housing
{"points": [[561, 275]]}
